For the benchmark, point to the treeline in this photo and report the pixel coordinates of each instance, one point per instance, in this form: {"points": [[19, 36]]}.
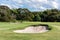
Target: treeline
{"points": [[23, 14]]}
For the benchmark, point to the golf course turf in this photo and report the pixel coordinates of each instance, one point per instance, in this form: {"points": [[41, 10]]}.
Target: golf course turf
{"points": [[6, 31]]}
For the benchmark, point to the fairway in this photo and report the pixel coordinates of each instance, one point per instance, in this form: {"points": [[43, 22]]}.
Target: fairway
{"points": [[6, 31]]}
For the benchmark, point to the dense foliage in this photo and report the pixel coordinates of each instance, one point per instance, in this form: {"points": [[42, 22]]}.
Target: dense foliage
{"points": [[23, 14], [6, 14]]}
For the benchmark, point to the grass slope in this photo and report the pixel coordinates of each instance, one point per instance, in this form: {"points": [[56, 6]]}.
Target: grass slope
{"points": [[7, 34]]}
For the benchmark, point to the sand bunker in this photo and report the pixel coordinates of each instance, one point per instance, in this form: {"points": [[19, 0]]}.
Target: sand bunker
{"points": [[33, 29]]}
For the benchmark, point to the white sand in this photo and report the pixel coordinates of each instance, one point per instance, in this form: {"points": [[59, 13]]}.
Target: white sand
{"points": [[31, 29]]}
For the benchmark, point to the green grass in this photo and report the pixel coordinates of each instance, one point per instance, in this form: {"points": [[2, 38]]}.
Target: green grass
{"points": [[6, 31]]}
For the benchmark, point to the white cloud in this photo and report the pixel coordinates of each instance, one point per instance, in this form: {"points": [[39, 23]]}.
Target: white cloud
{"points": [[44, 1], [39, 4], [6, 5], [36, 4], [28, 1], [42, 8], [10, 6], [54, 4], [18, 1]]}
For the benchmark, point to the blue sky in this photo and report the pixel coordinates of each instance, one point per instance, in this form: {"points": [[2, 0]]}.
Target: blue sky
{"points": [[33, 5]]}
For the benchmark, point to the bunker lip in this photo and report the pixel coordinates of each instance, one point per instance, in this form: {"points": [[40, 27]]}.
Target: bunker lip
{"points": [[41, 28]]}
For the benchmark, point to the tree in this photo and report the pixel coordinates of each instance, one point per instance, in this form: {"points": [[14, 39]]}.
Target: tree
{"points": [[36, 16], [5, 14], [24, 14]]}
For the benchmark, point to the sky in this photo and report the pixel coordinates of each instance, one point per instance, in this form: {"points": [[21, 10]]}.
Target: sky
{"points": [[32, 5]]}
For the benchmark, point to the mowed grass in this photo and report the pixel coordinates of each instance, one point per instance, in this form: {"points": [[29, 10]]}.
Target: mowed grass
{"points": [[6, 31]]}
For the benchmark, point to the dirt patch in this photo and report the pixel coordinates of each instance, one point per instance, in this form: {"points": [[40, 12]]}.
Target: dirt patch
{"points": [[34, 29]]}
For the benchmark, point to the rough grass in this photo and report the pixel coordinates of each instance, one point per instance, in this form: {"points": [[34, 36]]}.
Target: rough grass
{"points": [[7, 34]]}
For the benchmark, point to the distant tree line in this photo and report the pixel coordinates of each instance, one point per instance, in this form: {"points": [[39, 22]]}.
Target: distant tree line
{"points": [[23, 14]]}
